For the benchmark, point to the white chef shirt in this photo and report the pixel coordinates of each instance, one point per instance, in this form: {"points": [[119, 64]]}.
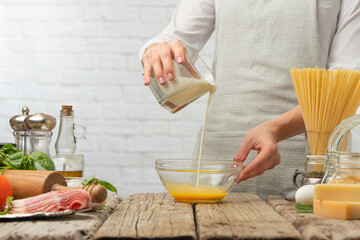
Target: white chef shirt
{"points": [[193, 23]]}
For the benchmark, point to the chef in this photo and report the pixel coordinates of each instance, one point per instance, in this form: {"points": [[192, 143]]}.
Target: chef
{"points": [[255, 106]]}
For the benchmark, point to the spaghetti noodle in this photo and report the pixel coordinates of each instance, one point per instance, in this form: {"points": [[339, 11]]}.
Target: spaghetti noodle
{"points": [[326, 97]]}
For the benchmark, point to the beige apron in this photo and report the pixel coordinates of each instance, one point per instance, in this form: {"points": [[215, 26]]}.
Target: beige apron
{"points": [[257, 42]]}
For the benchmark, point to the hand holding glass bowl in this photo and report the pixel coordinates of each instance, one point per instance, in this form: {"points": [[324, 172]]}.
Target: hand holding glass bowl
{"points": [[211, 183]]}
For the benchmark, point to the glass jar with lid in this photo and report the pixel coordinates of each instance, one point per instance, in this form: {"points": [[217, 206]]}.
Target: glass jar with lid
{"points": [[343, 158], [21, 131], [33, 132], [314, 165], [40, 126]]}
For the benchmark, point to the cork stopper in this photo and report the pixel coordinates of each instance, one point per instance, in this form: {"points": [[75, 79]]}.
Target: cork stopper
{"points": [[66, 110]]}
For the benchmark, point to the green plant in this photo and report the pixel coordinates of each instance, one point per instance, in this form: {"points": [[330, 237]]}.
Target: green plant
{"points": [[300, 208], [93, 180], [13, 158]]}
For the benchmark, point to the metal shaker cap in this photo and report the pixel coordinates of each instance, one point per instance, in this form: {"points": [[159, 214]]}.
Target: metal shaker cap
{"points": [[17, 122], [40, 121]]}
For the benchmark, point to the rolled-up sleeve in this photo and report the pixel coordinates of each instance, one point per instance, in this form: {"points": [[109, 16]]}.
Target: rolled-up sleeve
{"points": [[345, 47], [192, 23]]}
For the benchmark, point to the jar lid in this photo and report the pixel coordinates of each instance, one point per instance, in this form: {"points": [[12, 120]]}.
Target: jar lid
{"points": [[346, 136], [17, 122], [40, 121]]}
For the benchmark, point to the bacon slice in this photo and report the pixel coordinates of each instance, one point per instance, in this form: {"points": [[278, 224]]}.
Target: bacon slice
{"points": [[53, 202]]}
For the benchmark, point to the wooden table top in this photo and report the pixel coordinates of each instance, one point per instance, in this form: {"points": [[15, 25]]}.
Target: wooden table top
{"points": [[238, 216], [159, 216]]}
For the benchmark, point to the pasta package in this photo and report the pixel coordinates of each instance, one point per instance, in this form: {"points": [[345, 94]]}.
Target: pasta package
{"points": [[326, 97]]}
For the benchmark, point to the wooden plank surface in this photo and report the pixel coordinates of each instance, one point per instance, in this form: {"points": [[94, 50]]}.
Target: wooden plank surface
{"points": [[78, 226], [312, 226], [242, 216], [149, 216]]}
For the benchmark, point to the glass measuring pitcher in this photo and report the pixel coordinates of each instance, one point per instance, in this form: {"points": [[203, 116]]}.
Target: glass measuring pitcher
{"points": [[192, 80], [314, 164]]}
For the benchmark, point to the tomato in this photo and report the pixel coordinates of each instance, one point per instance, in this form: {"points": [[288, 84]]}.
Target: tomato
{"points": [[5, 191]]}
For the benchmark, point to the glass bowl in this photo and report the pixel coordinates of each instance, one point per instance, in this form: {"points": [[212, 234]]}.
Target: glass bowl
{"points": [[205, 182]]}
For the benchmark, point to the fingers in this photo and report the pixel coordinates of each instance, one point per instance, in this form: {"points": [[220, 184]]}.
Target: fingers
{"points": [[238, 180], [152, 63], [147, 69], [178, 51], [158, 59], [157, 68], [259, 168], [166, 60], [244, 150], [267, 159]]}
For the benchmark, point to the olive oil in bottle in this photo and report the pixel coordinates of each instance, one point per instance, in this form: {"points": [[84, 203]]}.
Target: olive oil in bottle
{"points": [[67, 162], [71, 173]]}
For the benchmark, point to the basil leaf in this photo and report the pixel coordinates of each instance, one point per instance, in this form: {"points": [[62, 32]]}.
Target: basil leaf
{"points": [[104, 207], [9, 149], [92, 180], [300, 208], [88, 181], [8, 206], [13, 158], [107, 185], [28, 163], [16, 159], [43, 160], [5, 160]]}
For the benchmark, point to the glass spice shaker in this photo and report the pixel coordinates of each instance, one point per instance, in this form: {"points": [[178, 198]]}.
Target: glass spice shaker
{"points": [[40, 126], [21, 131]]}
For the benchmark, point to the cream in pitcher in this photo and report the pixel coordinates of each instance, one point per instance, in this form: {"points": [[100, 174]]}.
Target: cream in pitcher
{"points": [[182, 91]]}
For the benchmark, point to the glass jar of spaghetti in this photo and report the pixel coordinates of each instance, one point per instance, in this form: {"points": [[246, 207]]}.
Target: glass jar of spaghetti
{"points": [[315, 166], [314, 171], [315, 154]]}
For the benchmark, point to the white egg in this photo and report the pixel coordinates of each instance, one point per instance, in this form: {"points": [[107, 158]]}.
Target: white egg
{"points": [[305, 195]]}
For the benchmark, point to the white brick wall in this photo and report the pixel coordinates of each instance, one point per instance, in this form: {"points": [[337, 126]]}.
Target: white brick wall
{"points": [[84, 53]]}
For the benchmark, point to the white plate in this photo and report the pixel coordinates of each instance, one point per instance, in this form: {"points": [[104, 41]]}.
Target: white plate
{"points": [[37, 215], [40, 215]]}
